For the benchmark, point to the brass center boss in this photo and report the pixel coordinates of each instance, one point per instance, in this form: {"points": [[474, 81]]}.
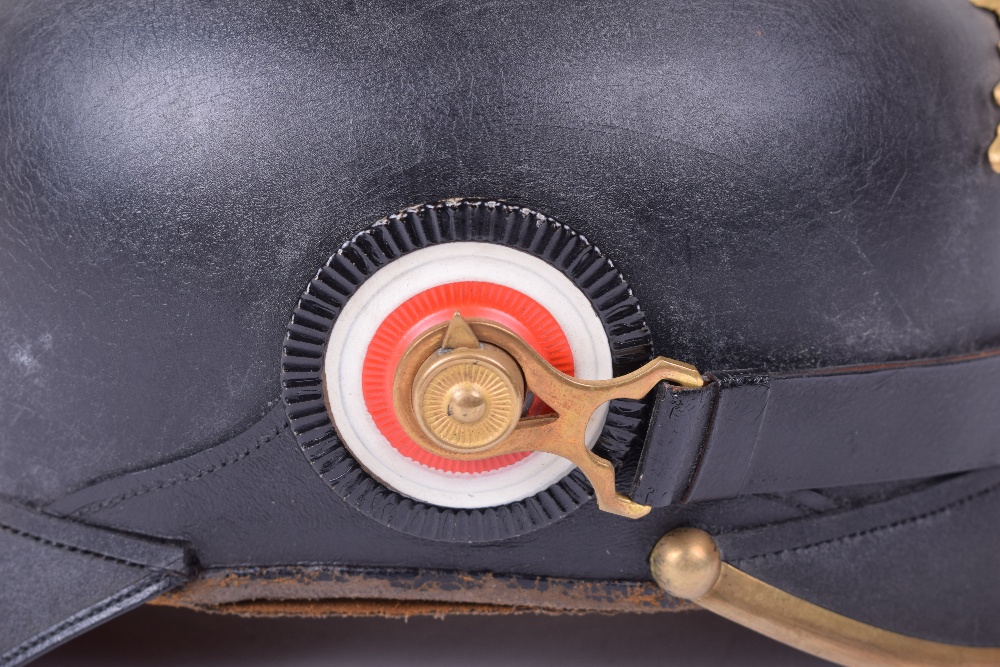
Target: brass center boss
{"points": [[460, 393]]}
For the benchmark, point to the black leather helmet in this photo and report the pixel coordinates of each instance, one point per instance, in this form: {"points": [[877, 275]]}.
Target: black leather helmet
{"points": [[325, 306]]}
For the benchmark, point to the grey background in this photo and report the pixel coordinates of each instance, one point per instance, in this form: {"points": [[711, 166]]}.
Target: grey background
{"points": [[162, 636]]}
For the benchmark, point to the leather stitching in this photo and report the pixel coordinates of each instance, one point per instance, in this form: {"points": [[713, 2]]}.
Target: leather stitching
{"points": [[128, 495], [878, 529], [13, 656], [75, 549]]}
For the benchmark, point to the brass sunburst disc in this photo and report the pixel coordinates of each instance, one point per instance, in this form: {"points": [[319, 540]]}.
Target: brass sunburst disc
{"points": [[468, 399]]}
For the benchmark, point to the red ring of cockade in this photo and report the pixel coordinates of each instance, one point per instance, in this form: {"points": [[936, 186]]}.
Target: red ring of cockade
{"points": [[474, 300]]}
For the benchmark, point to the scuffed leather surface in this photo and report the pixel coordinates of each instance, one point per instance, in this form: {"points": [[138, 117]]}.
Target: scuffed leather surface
{"points": [[923, 565], [784, 184], [770, 433], [59, 578]]}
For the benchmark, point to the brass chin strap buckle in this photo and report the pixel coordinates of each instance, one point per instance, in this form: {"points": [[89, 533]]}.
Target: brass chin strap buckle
{"points": [[461, 386]]}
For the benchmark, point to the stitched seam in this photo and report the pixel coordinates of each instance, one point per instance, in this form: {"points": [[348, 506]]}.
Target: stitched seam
{"points": [[128, 495], [74, 549], [878, 529], [12, 657]]}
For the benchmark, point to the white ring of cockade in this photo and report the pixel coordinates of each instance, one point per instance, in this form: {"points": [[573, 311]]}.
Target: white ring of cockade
{"points": [[390, 287]]}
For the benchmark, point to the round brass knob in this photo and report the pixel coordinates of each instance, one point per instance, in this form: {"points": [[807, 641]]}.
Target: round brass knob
{"points": [[686, 563], [467, 403], [468, 399]]}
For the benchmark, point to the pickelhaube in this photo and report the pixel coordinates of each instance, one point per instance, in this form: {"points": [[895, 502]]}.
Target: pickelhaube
{"points": [[358, 306]]}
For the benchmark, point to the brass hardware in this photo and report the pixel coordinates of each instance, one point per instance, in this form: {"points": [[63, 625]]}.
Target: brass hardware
{"points": [[484, 343], [687, 564], [459, 335], [994, 150], [467, 396]]}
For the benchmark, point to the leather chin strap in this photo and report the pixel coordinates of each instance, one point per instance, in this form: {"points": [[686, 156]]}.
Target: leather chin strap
{"points": [[748, 432]]}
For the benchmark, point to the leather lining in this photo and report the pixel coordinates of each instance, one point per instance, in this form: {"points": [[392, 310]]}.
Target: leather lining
{"points": [[235, 590]]}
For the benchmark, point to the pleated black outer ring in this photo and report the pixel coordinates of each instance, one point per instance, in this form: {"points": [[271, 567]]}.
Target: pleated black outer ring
{"points": [[406, 232]]}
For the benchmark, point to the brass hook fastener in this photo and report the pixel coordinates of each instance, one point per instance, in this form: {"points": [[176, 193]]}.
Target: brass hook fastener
{"points": [[460, 389]]}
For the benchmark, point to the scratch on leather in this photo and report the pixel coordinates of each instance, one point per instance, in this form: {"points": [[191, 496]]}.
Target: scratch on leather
{"points": [[994, 150]]}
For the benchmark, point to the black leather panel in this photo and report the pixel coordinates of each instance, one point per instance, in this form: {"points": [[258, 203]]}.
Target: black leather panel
{"points": [[779, 432], [784, 185], [903, 535], [59, 578], [256, 501], [678, 423], [923, 565]]}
